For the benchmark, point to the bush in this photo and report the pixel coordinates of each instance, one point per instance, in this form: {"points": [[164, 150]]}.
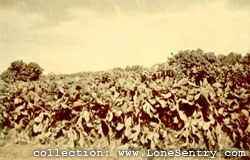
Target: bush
{"points": [[135, 68], [195, 64], [20, 71]]}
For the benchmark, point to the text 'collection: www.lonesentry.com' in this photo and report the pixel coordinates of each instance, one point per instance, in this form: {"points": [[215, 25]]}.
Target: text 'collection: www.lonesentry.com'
{"points": [[134, 153]]}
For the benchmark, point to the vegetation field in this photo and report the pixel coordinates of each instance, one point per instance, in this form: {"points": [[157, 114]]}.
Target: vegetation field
{"points": [[195, 100]]}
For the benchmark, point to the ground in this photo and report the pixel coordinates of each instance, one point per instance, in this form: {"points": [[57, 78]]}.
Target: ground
{"points": [[12, 151]]}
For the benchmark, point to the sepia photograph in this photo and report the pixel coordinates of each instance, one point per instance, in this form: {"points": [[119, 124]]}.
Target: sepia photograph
{"points": [[124, 79]]}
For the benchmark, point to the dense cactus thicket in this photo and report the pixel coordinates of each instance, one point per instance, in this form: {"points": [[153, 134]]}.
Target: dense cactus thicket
{"points": [[195, 100]]}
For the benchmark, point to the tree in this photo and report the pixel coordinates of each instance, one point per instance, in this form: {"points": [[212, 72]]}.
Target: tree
{"points": [[20, 71]]}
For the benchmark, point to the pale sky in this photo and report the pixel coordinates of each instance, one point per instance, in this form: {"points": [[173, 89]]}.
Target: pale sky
{"points": [[68, 36]]}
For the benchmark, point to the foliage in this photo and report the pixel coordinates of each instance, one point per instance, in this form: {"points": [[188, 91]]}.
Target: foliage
{"points": [[157, 108], [20, 71]]}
